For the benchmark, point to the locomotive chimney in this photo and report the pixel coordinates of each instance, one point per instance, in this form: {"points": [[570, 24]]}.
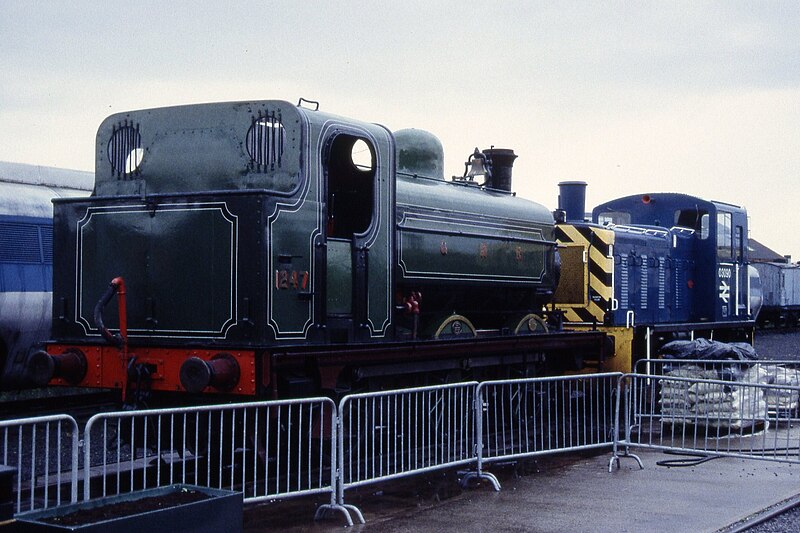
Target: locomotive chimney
{"points": [[502, 163], [572, 199]]}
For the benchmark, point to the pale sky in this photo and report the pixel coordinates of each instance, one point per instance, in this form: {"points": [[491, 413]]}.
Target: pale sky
{"points": [[632, 97]]}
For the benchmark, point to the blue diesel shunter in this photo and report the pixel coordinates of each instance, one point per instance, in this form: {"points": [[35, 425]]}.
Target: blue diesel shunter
{"points": [[656, 267], [709, 248]]}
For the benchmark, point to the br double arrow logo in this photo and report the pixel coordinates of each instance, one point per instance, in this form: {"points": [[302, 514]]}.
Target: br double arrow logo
{"points": [[724, 291]]}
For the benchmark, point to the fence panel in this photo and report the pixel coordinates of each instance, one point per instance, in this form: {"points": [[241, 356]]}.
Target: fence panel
{"points": [[393, 434], [720, 417], [45, 452], [536, 416], [266, 450], [769, 372]]}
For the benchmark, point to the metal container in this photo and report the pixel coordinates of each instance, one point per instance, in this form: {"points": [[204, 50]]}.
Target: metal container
{"points": [[221, 511]]}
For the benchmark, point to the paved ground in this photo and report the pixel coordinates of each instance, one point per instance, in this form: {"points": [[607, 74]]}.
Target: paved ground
{"points": [[573, 494]]}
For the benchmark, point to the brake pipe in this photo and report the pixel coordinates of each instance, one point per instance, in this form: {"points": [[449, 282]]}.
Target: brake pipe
{"points": [[120, 340]]}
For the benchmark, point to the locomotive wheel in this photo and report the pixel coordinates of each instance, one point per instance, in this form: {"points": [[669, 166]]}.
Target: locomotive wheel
{"points": [[452, 327], [528, 325]]}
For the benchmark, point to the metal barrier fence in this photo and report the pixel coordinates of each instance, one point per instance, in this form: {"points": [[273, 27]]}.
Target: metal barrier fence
{"points": [[536, 416], [45, 452], [276, 450], [282, 449], [782, 373], [388, 435], [266, 450], [771, 371], [721, 417]]}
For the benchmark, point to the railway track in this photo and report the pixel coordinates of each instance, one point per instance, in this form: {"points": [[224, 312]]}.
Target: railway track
{"points": [[781, 517], [79, 403]]}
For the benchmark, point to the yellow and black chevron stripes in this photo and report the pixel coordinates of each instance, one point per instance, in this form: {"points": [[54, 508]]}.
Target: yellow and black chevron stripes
{"points": [[590, 313], [594, 269]]}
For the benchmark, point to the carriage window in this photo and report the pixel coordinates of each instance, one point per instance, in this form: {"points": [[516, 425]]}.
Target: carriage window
{"points": [[724, 236], [351, 181]]}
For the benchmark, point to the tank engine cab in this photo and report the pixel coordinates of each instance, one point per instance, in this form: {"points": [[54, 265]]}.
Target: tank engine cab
{"points": [[265, 248], [656, 267], [227, 223]]}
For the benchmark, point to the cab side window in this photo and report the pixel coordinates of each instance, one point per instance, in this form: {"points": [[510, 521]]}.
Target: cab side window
{"points": [[693, 219], [614, 217], [724, 236], [351, 182], [738, 244]]}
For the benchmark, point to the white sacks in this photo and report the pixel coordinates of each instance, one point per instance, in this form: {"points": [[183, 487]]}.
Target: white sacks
{"points": [[783, 398], [727, 406], [712, 405], [674, 395]]}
